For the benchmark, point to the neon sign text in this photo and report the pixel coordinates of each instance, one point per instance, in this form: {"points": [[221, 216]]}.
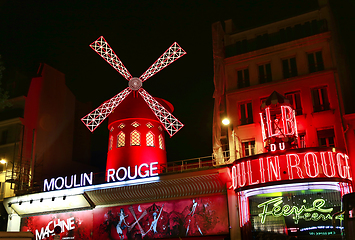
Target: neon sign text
{"points": [[141, 171], [297, 165], [62, 183], [314, 213], [280, 125]]}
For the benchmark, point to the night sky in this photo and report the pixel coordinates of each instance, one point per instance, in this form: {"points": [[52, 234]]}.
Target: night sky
{"points": [[58, 32]]}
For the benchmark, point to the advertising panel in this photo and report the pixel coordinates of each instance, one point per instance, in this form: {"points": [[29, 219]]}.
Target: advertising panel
{"points": [[73, 225], [177, 218]]}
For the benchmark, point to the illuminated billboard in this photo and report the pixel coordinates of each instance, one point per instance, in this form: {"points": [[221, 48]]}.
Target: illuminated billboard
{"points": [[74, 225], [177, 218]]}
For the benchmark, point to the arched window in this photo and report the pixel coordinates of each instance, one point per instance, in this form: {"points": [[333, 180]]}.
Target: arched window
{"points": [[111, 143], [150, 139], [161, 142], [135, 138], [121, 139]]}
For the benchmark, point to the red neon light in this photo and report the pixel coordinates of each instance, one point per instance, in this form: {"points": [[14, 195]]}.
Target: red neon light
{"points": [[344, 171], [290, 167], [250, 175], [308, 165], [262, 127], [288, 122], [97, 116], [273, 168], [325, 165], [296, 165]]}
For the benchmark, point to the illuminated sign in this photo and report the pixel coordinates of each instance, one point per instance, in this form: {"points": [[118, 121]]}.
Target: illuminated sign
{"points": [[121, 174], [281, 124], [142, 171], [315, 213], [278, 123], [68, 182], [298, 164]]}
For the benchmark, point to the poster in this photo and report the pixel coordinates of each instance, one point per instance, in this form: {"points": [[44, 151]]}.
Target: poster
{"points": [[199, 216], [74, 225], [177, 218]]}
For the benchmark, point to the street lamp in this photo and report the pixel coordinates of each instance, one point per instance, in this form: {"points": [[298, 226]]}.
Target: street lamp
{"points": [[3, 161], [230, 139], [226, 121]]}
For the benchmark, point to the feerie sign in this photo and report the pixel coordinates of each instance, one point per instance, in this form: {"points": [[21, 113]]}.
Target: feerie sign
{"points": [[299, 164], [121, 174]]}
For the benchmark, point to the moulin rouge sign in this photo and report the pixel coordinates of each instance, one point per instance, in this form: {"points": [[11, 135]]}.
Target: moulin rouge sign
{"points": [[112, 175], [298, 164]]}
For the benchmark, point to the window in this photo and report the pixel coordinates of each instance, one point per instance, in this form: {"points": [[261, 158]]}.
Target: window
{"points": [[135, 138], [248, 148], [150, 139], [135, 124], [289, 67], [302, 140], [121, 139], [245, 113], [315, 62], [265, 73], [326, 137], [111, 143], [320, 99], [295, 101], [243, 78], [161, 142]]}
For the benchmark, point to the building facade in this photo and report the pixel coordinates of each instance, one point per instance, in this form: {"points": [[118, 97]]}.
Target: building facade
{"points": [[297, 60], [37, 132]]}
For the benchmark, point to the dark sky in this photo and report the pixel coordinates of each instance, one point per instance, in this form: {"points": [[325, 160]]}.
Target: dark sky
{"points": [[58, 32]]}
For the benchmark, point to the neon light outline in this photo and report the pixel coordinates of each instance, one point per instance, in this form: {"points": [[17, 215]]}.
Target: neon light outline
{"points": [[97, 116], [286, 210]]}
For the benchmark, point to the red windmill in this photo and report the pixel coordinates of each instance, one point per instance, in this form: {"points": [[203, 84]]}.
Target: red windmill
{"points": [[133, 113]]}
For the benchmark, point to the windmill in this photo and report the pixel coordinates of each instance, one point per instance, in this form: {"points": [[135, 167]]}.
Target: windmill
{"points": [[171, 124]]}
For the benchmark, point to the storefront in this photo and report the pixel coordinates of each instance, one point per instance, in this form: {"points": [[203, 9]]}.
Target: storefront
{"points": [[289, 191], [185, 205]]}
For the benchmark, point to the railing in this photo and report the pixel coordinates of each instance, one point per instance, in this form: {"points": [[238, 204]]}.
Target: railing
{"points": [[193, 163], [188, 164]]}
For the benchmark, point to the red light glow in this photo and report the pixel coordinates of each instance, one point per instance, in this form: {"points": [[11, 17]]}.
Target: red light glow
{"points": [[293, 166]]}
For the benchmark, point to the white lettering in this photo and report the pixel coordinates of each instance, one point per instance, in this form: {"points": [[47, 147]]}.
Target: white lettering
{"points": [[56, 185], [153, 168], [88, 179], [140, 170], [67, 182], [135, 172], [124, 175], [47, 231], [49, 186], [75, 184], [110, 174]]}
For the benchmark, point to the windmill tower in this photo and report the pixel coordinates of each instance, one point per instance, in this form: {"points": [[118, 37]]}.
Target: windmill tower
{"points": [[136, 130]]}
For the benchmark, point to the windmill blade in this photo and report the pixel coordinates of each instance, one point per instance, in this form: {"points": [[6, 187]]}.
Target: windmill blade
{"points": [[105, 51], [95, 118], [170, 123], [173, 53]]}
